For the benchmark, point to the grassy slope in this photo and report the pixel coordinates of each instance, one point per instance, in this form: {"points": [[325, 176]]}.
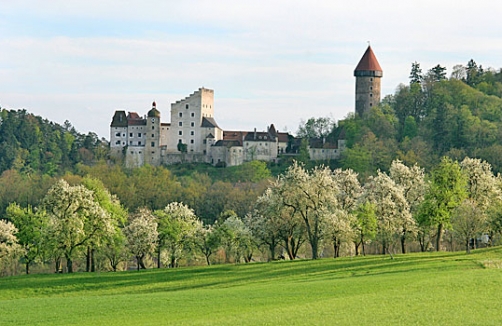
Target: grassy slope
{"points": [[423, 289]]}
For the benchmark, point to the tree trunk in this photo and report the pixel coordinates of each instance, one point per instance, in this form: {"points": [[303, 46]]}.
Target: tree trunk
{"points": [[93, 261], [27, 266], [403, 242], [356, 247], [271, 248], [69, 264], [467, 247], [88, 259], [438, 238], [158, 257], [57, 262], [207, 259], [289, 250]]}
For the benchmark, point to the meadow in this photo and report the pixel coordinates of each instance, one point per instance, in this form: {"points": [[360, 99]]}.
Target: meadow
{"points": [[415, 289]]}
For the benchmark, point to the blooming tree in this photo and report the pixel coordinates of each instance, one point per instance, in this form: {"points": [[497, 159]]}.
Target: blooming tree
{"points": [[75, 219], [141, 234]]}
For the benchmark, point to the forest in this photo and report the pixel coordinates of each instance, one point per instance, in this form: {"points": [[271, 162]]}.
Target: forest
{"points": [[420, 172]]}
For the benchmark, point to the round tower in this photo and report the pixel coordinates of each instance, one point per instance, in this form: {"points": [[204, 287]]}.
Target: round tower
{"points": [[368, 74], [152, 146]]}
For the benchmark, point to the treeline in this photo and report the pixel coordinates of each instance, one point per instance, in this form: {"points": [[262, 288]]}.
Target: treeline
{"points": [[428, 118], [301, 212], [35, 145]]}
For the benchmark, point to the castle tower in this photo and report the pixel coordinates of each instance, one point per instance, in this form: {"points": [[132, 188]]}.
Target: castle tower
{"points": [[368, 74], [152, 146]]}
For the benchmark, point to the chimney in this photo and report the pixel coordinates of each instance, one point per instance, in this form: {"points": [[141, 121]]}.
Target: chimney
{"points": [[254, 133]]}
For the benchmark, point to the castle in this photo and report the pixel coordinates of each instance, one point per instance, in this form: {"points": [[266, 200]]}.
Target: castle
{"points": [[194, 136]]}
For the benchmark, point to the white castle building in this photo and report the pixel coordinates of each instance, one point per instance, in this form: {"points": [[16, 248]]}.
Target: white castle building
{"points": [[194, 136]]}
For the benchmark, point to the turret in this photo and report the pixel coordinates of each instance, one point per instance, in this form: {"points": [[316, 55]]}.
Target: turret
{"points": [[368, 74]]}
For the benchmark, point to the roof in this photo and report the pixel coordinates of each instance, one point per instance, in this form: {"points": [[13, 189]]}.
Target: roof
{"points": [[154, 113], [208, 122], [321, 143], [228, 143], [119, 119], [234, 135], [259, 136], [283, 137], [368, 62]]}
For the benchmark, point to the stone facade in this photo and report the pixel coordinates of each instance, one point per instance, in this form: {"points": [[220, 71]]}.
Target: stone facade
{"points": [[368, 75]]}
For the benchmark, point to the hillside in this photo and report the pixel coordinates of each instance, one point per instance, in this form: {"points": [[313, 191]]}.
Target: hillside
{"points": [[421, 289], [35, 145]]}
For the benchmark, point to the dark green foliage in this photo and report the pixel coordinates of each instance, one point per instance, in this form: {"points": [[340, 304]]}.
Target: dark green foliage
{"points": [[30, 143]]}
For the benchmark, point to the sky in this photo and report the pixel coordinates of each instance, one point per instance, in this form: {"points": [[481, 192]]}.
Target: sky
{"points": [[275, 61]]}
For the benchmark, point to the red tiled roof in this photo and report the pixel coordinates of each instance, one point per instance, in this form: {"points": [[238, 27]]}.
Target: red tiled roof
{"points": [[368, 62]]}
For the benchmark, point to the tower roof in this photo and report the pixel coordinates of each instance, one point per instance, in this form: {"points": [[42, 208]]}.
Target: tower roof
{"points": [[368, 62]]}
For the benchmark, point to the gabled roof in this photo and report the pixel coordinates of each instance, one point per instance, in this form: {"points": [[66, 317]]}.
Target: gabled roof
{"points": [[209, 123], [368, 62], [321, 143]]}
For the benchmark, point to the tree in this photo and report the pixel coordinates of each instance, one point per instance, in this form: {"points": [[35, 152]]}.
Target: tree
{"points": [[30, 225], [412, 182], [468, 221], [273, 223], [74, 219], [415, 73], [178, 225], [447, 190], [8, 241], [437, 73], [482, 186], [312, 197], [315, 128], [237, 239], [117, 213], [365, 225], [391, 208], [141, 235], [115, 248], [207, 240]]}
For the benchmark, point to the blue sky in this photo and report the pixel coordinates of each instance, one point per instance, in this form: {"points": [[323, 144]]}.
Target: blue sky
{"points": [[267, 61]]}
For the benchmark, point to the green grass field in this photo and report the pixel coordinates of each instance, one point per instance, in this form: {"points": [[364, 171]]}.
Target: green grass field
{"points": [[413, 289]]}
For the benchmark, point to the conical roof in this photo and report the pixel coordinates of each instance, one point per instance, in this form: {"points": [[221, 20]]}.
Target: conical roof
{"points": [[368, 62]]}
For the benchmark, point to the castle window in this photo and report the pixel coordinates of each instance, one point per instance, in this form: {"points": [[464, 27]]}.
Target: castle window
{"points": [[180, 133], [130, 142], [371, 79], [192, 124], [187, 106], [139, 143], [191, 133], [193, 114], [153, 127], [181, 114], [117, 134], [123, 135], [371, 104], [179, 141], [191, 141], [153, 144], [130, 134], [180, 124], [153, 135], [139, 135], [371, 94], [371, 88], [117, 142]]}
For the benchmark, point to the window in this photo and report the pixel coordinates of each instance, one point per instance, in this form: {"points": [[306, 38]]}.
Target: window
{"points": [[371, 94], [117, 142], [191, 133], [139, 135], [192, 124], [153, 144], [130, 134], [371, 104], [191, 141], [204, 141], [153, 135], [139, 143], [117, 134], [180, 133], [153, 127], [192, 114], [180, 123], [181, 114], [123, 135], [371, 88], [130, 142], [187, 106], [179, 141]]}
